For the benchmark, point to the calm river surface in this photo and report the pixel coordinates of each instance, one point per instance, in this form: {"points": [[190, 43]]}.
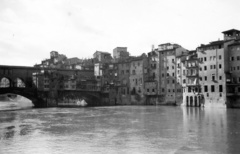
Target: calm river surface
{"points": [[120, 129]]}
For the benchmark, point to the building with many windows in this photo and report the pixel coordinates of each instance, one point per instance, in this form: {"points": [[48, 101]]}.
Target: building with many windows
{"points": [[170, 90], [138, 73], [152, 79], [123, 85], [212, 72], [191, 89]]}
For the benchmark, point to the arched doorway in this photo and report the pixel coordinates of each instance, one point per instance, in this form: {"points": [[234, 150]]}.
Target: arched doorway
{"points": [[196, 101], [191, 101], [199, 100]]}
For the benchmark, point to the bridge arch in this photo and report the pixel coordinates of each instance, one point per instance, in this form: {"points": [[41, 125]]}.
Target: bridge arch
{"points": [[5, 82], [19, 82], [25, 92]]}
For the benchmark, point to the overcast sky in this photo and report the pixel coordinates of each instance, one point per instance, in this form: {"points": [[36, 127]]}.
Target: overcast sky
{"points": [[30, 29]]}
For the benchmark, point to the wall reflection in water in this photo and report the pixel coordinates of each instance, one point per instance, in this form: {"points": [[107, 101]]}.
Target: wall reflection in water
{"points": [[207, 128]]}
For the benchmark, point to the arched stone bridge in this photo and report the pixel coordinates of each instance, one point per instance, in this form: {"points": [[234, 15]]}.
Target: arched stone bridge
{"points": [[47, 87]]}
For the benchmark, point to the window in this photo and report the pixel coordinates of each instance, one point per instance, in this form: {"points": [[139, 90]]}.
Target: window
{"points": [[205, 88], [200, 78], [210, 57], [183, 72], [205, 78], [173, 60], [173, 74], [238, 57], [220, 88], [214, 66], [211, 67], [184, 80], [207, 94], [169, 90], [196, 89], [220, 66], [239, 79], [205, 58], [173, 90], [212, 88], [220, 77], [219, 57], [162, 75], [172, 67], [167, 74], [168, 81], [189, 89], [147, 90], [205, 67], [231, 58], [200, 68], [213, 77], [167, 68], [153, 90], [162, 89], [173, 81], [238, 67]]}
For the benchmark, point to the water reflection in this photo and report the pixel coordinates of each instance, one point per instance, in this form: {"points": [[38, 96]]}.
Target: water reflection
{"points": [[123, 129]]}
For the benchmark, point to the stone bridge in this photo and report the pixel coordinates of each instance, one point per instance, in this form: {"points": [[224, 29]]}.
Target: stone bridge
{"points": [[46, 86]]}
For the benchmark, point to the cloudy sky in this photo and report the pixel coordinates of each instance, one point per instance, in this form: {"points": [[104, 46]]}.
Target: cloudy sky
{"points": [[30, 29]]}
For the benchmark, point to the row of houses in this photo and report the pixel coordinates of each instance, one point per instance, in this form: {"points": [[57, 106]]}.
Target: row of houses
{"points": [[167, 75]]}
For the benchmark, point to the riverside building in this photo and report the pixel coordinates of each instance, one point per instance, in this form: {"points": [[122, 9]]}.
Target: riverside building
{"points": [[170, 91]]}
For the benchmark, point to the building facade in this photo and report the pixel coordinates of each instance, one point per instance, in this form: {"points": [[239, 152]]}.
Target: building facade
{"points": [[138, 74], [170, 91]]}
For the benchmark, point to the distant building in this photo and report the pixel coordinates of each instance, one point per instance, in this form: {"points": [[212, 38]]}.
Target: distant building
{"points": [[102, 57], [120, 53]]}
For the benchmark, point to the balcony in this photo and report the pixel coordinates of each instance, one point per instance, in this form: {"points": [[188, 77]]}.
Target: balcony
{"points": [[151, 78], [193, 85], [150, 93], [191, 66], [191, 74]]}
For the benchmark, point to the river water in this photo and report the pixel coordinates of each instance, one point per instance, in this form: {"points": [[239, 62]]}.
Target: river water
{"points": [[120, 129]]}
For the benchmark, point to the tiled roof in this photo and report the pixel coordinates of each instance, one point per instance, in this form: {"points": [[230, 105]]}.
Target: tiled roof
{"points": [[231, 30]]}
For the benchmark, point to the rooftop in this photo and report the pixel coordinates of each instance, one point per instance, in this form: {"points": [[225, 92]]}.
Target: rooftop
{"points": [[103, 52], [230, 31]]}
